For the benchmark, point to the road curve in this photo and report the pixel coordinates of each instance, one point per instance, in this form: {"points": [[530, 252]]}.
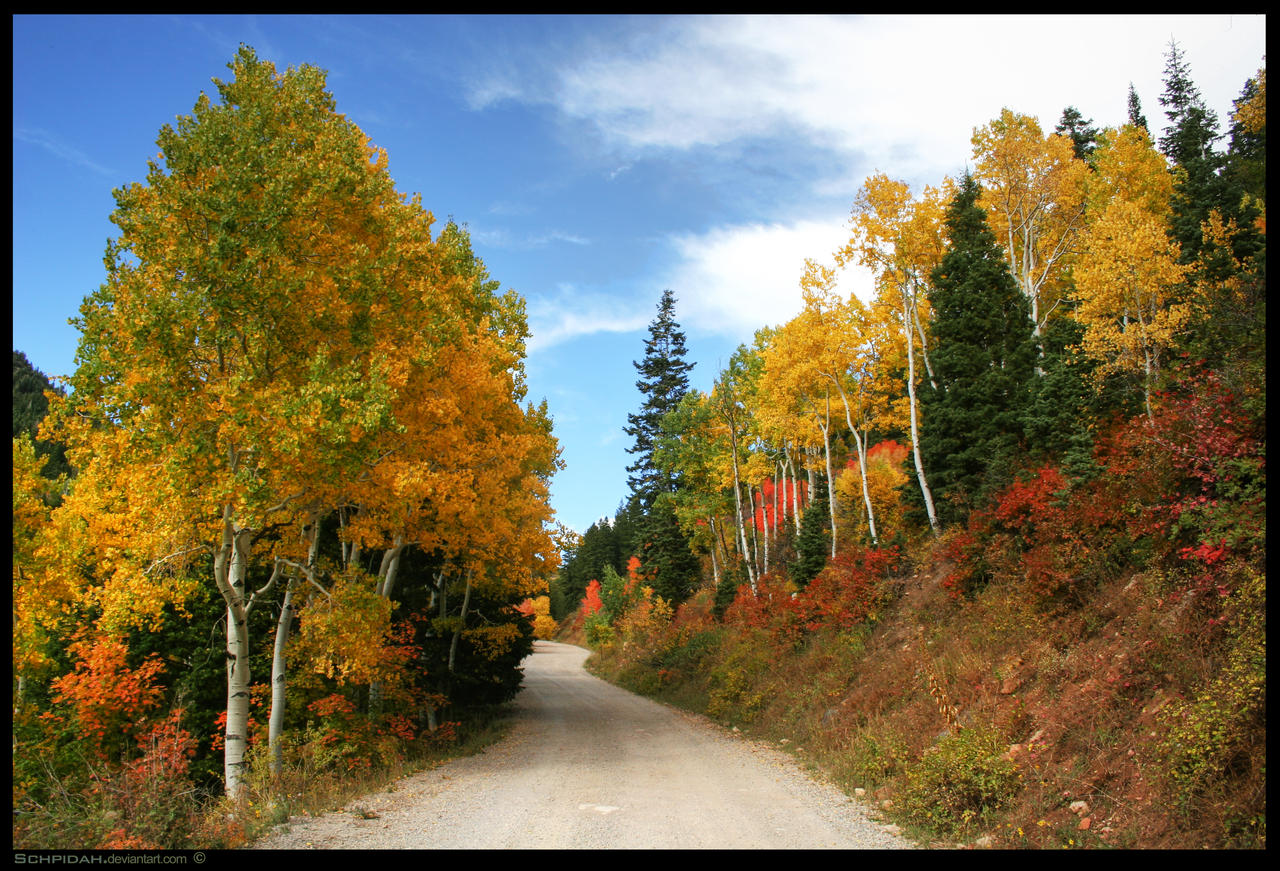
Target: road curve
{"points": [[588, 766]]}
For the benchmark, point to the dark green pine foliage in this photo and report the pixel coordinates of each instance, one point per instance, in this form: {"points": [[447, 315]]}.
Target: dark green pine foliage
{"points": [[1230, 333], [1080, 130], [603, 544], [1246, 162], [1136, 118], [983, 363], [597, 549], [813, 544], [665, 556], [1188, 141], [1066, 401], [664, 380], [30, 407], [1193, 127]]}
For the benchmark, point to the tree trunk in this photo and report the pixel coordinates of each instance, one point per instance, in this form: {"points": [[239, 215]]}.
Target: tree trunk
{"points": [[915, 427], [764, 528], [279, 681], [831, 484], [457, 633], [737, 504], [795, 495], [715, 565], [862, 465], [230, 567]]}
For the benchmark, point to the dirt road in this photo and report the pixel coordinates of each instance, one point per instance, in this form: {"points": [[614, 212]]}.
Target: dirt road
{"points": [[588, 766]]}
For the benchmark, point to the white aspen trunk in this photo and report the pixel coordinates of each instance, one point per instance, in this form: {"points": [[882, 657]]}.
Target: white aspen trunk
{"points": [[279, 681], [795, 495], [778, 474], [759, 535], [737, 505], [390, 568], [437, 590], [457, 633], [924, 347], [715, 565], [755, 538], [230, 569], [764, 527], [386, 585], [862, 465], [915, 427], [831, 483], [808, 497], [279, 667]]}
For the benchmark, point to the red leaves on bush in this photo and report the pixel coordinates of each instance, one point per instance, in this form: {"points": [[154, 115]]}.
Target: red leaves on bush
{"points": [[843, 594], [167, 750], [107, 698], [1030, 502], [591, 603], [848, 590], [1188, 483]]}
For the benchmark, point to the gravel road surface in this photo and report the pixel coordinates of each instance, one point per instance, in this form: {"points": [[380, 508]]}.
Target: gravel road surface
{"points": [[588, 766]]}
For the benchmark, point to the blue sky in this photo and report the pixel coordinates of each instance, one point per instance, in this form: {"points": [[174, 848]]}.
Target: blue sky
{"points": [[595, 160]]}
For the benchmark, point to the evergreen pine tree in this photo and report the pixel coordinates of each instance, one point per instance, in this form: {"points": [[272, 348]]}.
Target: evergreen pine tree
{"points": [[664, 551], [1080, 130], [983, 361], [1247, 152], [1067, 400], [1188, 141], [664, 380], [30, 407], [1193, 127], [1136, 118], [665, 556], [813, 543]]}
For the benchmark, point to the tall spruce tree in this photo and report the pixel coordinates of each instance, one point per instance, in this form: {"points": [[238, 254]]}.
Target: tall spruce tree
{"points": [[1136, 118], [666, 560], [1080, 130], [665, 556], [813, 544], [983, 361], [1188, 141], [664, 380], [30, 407]]}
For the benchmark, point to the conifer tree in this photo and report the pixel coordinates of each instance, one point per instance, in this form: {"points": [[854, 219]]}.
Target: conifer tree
{"points": [[669, 564], [813, 543], [1136, 118], [1188, 142], [983, 359], [664, 380], [29, 408], [1079, 130]]}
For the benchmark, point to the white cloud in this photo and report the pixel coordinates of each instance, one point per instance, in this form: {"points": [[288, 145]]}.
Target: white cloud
{"points": [[729, 281], [898, 93], [734, 280]]}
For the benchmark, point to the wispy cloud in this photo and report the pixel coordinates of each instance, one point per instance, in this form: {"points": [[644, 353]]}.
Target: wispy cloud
{"points": [[55, 146], [573, 312], [499, 237]]}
